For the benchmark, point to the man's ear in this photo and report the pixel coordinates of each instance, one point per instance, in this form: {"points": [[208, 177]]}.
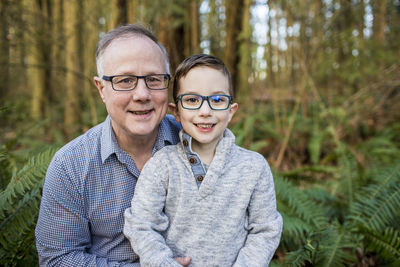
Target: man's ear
{"points": [[100, 87], [174, 110]]}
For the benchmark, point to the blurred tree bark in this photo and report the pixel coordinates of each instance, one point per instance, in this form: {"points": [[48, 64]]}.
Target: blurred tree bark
{"points": [[88, 63], [233, 11], [4, 48], [269, 51], [73, 83], [39, 58], [170, 34], [192, 28], [245, 53], [379, 24], [216, 27], [58, 52]]}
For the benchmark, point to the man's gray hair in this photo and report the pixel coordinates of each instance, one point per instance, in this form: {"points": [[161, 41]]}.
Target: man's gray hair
{"points": [[125, 31]]}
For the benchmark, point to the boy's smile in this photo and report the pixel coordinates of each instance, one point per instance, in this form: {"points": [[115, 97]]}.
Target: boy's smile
{"points": [[205, 125]]}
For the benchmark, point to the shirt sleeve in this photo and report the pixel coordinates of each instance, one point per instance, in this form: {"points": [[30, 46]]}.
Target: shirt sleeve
{"points": [[145, 219], [62, 230], [265, 224]]}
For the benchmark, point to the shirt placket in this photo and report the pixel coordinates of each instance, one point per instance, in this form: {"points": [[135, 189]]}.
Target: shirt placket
{"points": [[195, 163]]}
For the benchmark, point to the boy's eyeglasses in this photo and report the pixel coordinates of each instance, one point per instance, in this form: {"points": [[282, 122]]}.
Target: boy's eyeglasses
{"points": [[129, 82], [195, 101]]}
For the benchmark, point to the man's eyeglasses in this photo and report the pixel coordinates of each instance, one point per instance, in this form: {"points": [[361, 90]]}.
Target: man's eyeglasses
{"points": [[195, 101], [129, 82]]}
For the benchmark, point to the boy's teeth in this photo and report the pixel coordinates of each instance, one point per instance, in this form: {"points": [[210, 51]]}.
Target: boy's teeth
{"points": [[205, 125]]}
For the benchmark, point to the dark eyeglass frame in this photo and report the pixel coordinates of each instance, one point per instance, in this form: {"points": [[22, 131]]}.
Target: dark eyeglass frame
{"points": [[110, 79], [179, 99]]}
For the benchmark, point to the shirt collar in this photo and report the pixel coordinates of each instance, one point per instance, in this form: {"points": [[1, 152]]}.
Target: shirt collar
{"points": [[227, 139], [109, 144]]}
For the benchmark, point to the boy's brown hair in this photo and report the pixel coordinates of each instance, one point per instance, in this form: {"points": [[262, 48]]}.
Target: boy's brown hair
{"points": [[199, 60]]}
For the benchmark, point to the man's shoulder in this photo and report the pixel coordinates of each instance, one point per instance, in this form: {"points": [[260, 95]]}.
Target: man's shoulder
{"points": [[172, 123], [87, 141]]}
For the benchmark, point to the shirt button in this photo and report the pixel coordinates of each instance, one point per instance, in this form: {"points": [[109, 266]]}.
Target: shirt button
{"points": [[200, 178], [192, 160], [185, 142]]}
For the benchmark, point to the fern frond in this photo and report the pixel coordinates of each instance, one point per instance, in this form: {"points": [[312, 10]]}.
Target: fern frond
{"points": [[386, 243], [32, 173], [298, 204], [379, 212], [19, 206], [301, 256], [333, 247]]}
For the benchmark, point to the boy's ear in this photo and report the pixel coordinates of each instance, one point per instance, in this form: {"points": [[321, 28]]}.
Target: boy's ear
{"points": [[174, 110], [232, 110]]}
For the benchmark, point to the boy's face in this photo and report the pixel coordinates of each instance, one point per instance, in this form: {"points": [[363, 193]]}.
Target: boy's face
{"points": [[205, 125]]}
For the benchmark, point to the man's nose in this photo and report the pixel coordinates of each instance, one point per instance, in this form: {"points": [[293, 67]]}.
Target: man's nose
{"points": [[141, 92]]}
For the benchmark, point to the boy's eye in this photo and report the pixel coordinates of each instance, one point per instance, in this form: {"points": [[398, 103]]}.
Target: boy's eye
{"points": [[218, 98], [192, 100]]}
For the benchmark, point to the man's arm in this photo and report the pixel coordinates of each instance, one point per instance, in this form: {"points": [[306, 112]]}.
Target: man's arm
{"points": [[62, 231], [145, 219], [265, 224]]}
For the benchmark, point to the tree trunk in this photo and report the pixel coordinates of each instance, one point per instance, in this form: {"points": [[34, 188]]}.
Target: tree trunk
{"points": [[39, 60], [233, 28], [4, 49], [245, 54], [379, 24], [73, 84], [195, 27]]}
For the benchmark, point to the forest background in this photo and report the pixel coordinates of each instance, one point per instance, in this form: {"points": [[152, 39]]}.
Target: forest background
{"points": [[318, 87]]}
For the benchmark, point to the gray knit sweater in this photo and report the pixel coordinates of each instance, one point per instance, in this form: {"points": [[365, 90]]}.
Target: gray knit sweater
{"points": [[229, 220]]}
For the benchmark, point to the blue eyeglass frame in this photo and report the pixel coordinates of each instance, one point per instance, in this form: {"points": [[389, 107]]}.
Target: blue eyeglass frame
{"points": [[179, 99]]}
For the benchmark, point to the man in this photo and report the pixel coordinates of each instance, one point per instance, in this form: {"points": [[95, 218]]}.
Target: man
{"points": [[91, 180]]}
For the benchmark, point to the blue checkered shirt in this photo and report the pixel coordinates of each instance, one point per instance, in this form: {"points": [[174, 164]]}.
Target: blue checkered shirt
{"points": [[89, 184]]}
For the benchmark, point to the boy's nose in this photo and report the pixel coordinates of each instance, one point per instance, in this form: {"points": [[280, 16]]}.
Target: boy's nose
{"points": [[205, 109]]}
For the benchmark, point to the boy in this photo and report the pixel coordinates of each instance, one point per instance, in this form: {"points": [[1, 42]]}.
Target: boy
{"points": [[205, 197]]}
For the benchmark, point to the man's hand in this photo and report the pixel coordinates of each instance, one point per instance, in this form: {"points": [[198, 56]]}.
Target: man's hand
{"points": [[184, 261]]}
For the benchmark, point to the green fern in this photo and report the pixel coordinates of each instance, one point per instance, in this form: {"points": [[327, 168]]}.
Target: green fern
{"points": [[386, 243], [378, 204], [19, 206], [335, 244]]}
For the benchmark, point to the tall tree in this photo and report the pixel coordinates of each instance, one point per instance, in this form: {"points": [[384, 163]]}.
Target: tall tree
{"points": [[4, 47], [192, 28], [72, 108], [39, 58], [233, 14], [379, 23], [245, 53]]}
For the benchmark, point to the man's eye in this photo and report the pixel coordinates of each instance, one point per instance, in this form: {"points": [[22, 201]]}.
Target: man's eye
{"points": [[153, 79], [125, 80]]}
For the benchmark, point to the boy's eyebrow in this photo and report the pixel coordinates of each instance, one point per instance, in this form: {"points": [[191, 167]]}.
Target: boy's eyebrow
{"points": [[194, 91]]}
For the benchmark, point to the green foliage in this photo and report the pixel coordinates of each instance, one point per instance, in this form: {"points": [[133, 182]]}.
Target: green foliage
{"points": [[19, 205]]}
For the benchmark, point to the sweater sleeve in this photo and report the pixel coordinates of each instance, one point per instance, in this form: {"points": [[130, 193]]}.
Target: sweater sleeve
{"points": [[265, 224], [145, 219]]}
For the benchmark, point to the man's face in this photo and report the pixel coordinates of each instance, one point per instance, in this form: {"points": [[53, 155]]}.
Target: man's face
{"points": [[136, 113]]}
